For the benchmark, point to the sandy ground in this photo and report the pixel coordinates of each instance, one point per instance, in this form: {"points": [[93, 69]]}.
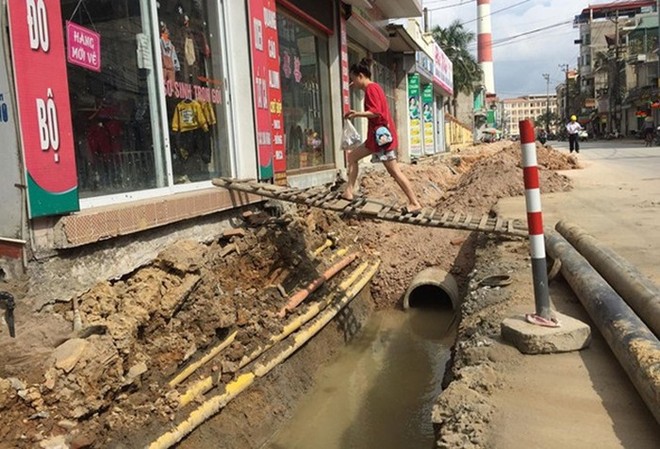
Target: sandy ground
{"points": [[573, 400], [109, 381]]}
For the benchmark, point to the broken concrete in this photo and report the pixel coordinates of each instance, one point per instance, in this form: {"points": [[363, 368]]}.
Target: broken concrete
{"points": [[573, 335]]}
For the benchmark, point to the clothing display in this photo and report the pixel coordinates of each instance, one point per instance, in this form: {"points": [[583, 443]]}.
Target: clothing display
{"points": [[171, 63], [189, 116]]}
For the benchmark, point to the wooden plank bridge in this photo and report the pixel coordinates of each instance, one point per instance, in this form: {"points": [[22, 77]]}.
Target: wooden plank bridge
{"points": [[327, 198]]}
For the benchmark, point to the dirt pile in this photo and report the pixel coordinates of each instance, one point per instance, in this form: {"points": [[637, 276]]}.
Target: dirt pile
{"points": [[99, 385]]}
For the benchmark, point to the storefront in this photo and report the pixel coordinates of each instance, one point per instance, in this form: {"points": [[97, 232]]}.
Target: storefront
{"points": [[443, 90], [142, 100]]}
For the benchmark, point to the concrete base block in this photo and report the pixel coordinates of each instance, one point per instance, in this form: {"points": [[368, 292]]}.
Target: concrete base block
{"points": [[573, 335]]}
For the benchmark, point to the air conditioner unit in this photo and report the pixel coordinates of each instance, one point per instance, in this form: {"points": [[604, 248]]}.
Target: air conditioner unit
{"points": [[641, 58]]}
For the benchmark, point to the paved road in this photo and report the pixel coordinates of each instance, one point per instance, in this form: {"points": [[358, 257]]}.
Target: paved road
{"points": [[616, 199], [584, 399]]}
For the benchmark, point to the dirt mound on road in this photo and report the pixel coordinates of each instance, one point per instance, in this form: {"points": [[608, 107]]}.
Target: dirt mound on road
{"points": [[110, 380]]}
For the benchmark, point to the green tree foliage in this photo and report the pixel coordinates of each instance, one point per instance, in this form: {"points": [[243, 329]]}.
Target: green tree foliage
{"points": [[454, 41]]}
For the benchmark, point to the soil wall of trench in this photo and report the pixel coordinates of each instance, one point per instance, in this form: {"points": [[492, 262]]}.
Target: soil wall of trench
{"points": [[106, 385]]}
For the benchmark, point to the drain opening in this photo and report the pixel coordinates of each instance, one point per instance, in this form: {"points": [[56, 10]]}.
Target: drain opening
{"points": [[429, 296]]}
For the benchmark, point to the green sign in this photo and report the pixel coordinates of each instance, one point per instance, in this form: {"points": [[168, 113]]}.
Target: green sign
{"points": [[414, 115]]}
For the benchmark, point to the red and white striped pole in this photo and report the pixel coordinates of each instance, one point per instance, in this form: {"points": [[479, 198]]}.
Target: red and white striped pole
{"points": [[485, 44], [543, 315]]}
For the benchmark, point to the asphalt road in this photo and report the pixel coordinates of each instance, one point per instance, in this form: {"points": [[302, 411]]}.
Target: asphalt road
{"points": [[584, 399], [616, 199]]}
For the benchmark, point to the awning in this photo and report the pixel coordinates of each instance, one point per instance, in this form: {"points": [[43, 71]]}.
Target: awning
{"points": [[400, 9], [359, 29], [400, 39]]}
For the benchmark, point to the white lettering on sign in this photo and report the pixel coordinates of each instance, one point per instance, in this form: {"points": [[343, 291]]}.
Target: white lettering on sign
{"points": [[279, 139], [49, 131], [37, 19], [272, 49], [262, 93], [270, 19], [277, 124], [274, 79], [258, 35]]}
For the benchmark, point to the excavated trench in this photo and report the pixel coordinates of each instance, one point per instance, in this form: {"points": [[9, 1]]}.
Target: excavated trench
{"points": [[369, 379]]}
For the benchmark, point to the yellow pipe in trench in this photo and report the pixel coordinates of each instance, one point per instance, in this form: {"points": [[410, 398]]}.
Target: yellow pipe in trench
{"points": [[206, 383], [232, 389], [183, 375]]}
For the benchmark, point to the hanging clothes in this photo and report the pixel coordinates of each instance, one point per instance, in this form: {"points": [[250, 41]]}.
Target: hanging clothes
{"points": [[171, 63], [188, 116]]}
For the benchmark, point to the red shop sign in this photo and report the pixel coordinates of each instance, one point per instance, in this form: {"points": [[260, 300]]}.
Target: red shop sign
{"points": [[42, 91]]}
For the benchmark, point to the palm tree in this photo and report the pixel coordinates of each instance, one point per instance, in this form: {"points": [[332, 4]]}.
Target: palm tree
{"points": [[454, 41]]}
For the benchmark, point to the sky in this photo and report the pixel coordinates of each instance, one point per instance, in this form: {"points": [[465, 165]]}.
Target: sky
{"points": [[520, 63]]}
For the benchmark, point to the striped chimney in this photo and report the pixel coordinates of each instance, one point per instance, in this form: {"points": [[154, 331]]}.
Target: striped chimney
{"points": [[485, 44]]}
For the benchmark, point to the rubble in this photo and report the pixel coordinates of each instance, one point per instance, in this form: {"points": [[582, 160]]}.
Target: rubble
{"points": [[109, 379]]}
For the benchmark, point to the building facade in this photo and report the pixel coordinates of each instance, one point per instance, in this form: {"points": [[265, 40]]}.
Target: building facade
{"points": [[526, 107], [145, 102]]}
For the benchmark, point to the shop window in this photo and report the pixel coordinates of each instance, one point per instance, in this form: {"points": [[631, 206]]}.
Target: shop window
{"points": [[112, 111], [357, 95], [305, 85], [192, 62]]}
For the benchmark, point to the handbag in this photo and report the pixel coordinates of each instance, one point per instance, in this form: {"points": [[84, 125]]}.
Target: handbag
{"points": [[383, 136]]}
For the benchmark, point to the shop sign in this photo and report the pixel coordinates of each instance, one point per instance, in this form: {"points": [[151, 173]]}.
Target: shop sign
{"points": [[264, 48], [83, 47], [427, 117], [424, 64], [443, 71], [414, 115], [345, 77], [44, 110]]}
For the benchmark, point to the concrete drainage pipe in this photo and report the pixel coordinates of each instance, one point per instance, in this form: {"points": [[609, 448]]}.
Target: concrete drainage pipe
{"points": [[432, 284]]}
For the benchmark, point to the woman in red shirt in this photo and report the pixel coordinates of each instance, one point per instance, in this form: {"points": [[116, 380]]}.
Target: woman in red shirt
{"points": [[377, 111]]}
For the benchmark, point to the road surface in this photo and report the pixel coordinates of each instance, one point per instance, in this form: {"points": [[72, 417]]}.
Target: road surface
{"points": [[584, 399]]}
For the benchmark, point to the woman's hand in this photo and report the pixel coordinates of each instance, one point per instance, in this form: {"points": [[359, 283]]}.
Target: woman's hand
{"points": [[351, 114]]}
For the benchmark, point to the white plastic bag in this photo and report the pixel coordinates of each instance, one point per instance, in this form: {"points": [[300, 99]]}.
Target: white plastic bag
{"points": [[350, 138]]}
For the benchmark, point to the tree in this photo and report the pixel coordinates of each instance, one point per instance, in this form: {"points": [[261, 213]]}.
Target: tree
{"points": [[550, 119], [454, 41]]}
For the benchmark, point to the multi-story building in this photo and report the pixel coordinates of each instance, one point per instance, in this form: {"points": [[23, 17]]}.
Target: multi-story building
{"points": [[526, 107], [601, 64]]}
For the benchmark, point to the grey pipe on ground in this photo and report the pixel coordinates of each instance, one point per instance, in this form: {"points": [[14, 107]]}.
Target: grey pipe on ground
{"points": [[636, 289], [636, 348]]}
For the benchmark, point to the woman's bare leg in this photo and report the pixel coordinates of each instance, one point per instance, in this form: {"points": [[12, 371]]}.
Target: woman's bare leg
{"points": [[395, 171], [354, 157]]}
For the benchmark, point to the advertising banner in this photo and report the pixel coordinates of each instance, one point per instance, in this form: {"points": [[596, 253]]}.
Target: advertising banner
{"points": [[42, 93], [428, 119], [414, 115], [264, 48], [345, 78], [83, 47], [443, 71]]}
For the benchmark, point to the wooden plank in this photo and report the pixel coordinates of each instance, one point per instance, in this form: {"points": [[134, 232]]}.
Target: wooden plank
{"points": [[468, 220], [457, 218], [444, 217], [483, 221], [498, 224]]}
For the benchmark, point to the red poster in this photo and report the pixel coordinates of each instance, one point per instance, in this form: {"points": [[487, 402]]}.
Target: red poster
{"points": [[267, 89], [37, 40], [345, 78]]}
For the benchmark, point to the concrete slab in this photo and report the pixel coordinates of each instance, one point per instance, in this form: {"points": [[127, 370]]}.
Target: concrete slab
{"points": [[573, 335]]}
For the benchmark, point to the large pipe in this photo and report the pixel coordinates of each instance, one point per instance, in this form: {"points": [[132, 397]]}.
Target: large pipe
{"points": [[633, 344], [485, 44], [636, 289], [435, 278]]}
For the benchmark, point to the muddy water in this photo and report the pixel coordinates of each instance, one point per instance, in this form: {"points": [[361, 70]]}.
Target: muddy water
{"points": [[379, 390]]}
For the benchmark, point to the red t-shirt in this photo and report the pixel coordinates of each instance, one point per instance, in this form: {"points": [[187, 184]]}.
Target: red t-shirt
{"points": [[375, 101]]}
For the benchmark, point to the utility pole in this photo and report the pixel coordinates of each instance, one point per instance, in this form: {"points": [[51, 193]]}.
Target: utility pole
{"points": [[564, 68], [547, 101], [617, 74]]}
